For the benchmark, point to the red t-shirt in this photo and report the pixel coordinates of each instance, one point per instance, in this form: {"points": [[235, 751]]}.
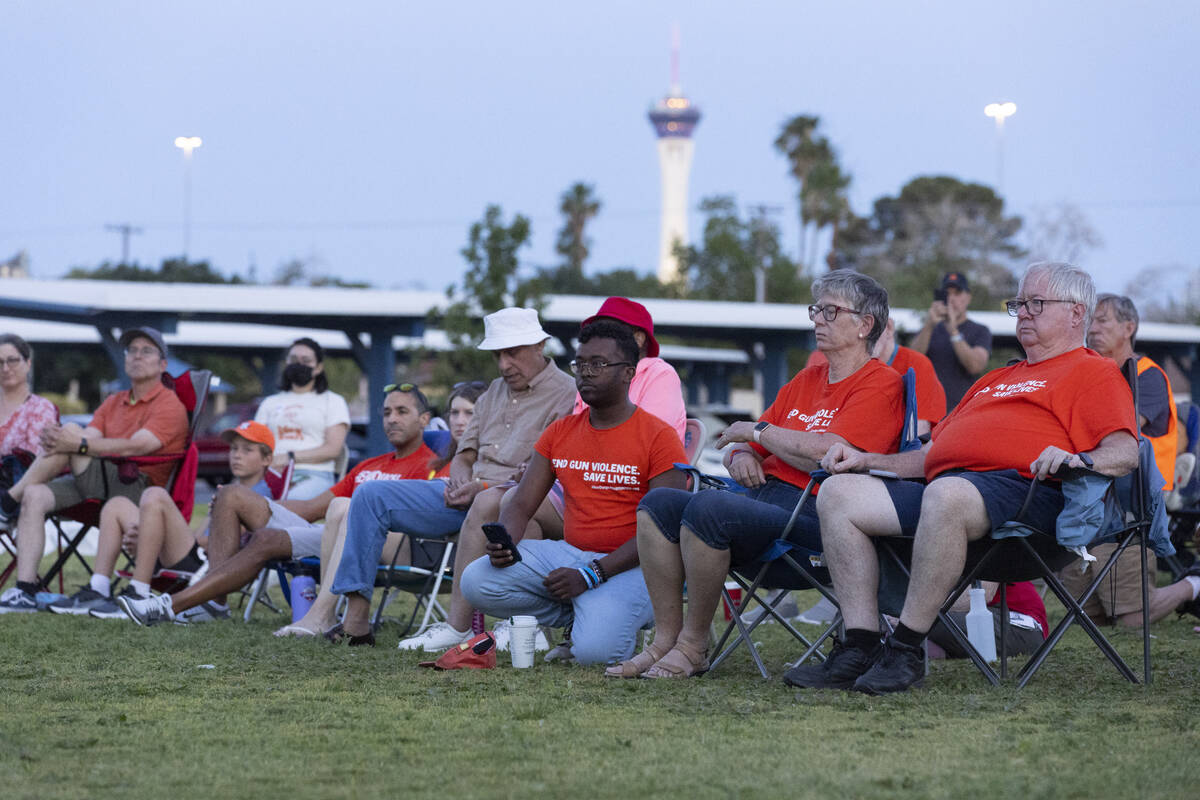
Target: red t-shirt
{"points": [[866, 409], [605, 473], [931, 397], [1023, 598], [1013, 413], [388, 467]]}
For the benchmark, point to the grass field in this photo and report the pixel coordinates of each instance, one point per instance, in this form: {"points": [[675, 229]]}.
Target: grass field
{"points": [[106, 709], [95, 709]]}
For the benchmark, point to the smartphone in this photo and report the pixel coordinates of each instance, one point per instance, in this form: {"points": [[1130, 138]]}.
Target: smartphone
{"points": [[939, 295], [498, 534]]}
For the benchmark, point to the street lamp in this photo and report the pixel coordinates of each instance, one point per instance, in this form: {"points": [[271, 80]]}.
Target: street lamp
{"points": [[187, 144], [1000, 112]]}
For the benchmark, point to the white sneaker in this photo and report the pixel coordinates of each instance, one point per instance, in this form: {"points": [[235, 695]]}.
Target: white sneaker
{"points": [[502, 633], [436, 638], [147, 611]]}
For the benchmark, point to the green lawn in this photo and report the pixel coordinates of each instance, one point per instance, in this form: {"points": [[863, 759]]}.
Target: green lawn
{"points": [[107, 709]]}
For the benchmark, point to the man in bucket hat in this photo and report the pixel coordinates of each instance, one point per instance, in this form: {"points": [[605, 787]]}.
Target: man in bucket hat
{"points": [[529, 394]]}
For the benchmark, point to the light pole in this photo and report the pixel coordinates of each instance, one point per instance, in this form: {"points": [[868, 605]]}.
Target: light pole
{"points": [[1000, 112], [187, 144]]}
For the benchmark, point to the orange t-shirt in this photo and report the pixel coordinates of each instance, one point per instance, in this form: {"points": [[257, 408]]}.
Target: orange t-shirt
{"points": [[389, 467], [866, 409], [605, 473], [159, 412], [931, 397], [1013, 413]]}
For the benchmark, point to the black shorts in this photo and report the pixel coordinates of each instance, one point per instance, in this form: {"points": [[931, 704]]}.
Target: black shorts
{"points": [[189, 563]]}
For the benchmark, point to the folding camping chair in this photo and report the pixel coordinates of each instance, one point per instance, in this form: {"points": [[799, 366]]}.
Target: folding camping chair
{"points": [[191, 387], [787, 565]]}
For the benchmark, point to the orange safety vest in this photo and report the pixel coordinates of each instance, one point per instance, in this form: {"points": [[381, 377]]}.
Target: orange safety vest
{"points": [[1165, 445]]}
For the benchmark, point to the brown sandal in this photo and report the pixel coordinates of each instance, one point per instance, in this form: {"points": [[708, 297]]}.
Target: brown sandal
{"points": [[677, 664], [634, 667]]}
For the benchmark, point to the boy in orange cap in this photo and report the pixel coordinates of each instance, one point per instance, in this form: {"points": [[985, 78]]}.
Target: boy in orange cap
{"points": [[162, 535]]}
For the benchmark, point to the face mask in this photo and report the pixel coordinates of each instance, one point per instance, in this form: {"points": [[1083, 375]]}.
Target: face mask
{"points": [[298, 374]]}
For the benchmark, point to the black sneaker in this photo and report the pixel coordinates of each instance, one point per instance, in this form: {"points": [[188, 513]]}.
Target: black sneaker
{"points": [[839, 671], [79, 603], [899, 667]]}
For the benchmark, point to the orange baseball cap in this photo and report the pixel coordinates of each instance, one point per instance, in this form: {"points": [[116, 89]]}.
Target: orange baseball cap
{"points": [[476, 653], [251, 431]]}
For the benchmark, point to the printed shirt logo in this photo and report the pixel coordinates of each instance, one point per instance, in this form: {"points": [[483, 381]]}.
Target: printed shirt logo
{"points": [[603, 475], [1009, 389], [376, 475], [818, 422]]}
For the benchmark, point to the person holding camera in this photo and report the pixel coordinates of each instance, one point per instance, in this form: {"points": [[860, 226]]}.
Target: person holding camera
{"points": [[958, 347]]}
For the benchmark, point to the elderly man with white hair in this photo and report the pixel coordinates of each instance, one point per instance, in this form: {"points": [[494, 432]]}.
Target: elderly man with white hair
{"points": [[1062, 405], [530, 393]]}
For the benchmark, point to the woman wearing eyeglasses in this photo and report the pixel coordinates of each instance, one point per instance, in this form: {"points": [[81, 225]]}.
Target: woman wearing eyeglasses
{"points": [[694, 538], [309, 422], [23, 414]]}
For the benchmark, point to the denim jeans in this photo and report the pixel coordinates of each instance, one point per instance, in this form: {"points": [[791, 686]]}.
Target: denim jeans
{"points": [[744, 524], [604, 621], [376, 507]]}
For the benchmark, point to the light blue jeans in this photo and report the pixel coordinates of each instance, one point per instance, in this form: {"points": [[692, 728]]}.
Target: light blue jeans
{"points": [[604, 621], [376, 507]]}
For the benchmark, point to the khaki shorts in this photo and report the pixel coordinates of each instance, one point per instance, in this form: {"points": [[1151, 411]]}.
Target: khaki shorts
{"points": [[1120, 592], [99, 481]]}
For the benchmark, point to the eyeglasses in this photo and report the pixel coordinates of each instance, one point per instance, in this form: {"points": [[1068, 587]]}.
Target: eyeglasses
{"points": [[596, 367], [472, 384], [11, 362], [829, 311], [1033, 305], [141, 352], [399, 387]]}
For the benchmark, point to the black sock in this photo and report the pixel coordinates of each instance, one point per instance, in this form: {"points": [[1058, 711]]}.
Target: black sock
{"points": [[862, 639], [28, 587], [906, 635], [7, 503]]}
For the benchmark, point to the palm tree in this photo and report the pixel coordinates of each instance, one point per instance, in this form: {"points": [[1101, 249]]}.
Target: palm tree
{"points": [[578, 205]]}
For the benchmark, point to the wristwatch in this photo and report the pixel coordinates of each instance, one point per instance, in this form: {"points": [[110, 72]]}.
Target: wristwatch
{"points": [[82, 446], [759, 428], [958, 337]]}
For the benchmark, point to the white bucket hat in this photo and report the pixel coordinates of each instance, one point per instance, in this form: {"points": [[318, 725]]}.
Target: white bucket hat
{"points": [[511, 327]]}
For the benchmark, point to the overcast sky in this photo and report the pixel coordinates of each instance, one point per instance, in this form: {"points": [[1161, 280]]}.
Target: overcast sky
{"points": [[368, 135]]}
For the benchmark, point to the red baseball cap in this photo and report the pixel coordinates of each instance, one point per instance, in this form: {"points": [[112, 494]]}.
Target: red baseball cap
{"points": [[478, 652], [632, 313], [251, 431]]}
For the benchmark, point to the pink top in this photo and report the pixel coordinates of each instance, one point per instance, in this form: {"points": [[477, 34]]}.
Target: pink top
{"points": [[655, 388], [22, 429]]}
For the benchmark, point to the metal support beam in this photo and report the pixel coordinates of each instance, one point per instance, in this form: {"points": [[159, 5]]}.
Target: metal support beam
{"points": [[774, 368]]}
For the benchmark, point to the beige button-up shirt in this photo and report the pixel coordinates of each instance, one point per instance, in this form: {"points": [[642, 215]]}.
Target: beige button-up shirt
{"points": [[507, 424]]}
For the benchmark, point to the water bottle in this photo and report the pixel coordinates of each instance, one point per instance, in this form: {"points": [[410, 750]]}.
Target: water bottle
{"points": [[304, 592], [980, 627], [478, 623]]}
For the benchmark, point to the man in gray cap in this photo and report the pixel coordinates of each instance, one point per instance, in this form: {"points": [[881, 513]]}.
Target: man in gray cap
{"points": [[145, 419], [529, 394], [958, 347]]}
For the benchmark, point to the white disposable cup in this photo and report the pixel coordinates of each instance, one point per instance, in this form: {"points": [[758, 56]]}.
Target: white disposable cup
{"points": [[520, 644]]}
